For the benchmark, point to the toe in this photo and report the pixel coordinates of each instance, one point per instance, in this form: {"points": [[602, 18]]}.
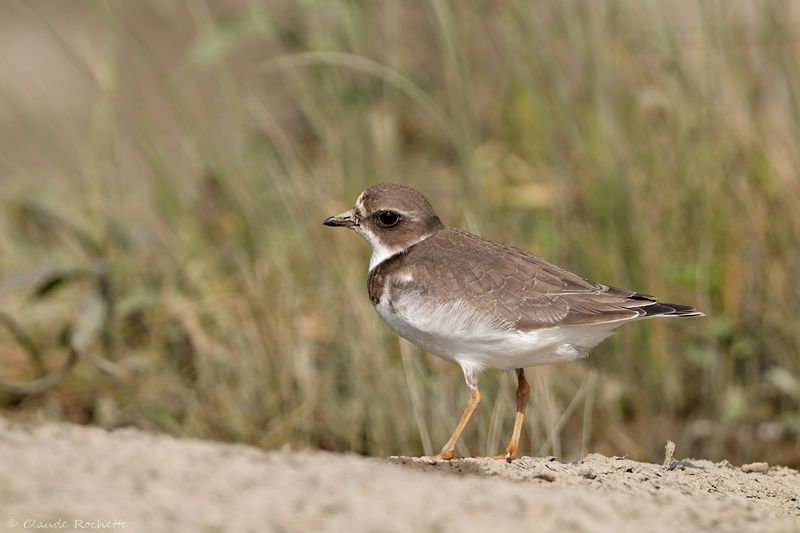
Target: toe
{"points": [[445, 456]]}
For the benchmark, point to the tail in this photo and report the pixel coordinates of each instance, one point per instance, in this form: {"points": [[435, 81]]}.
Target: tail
{"points": [[665, 309]]}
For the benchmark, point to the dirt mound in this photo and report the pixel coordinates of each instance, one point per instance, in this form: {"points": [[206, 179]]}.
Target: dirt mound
{"points": [[71, 477]]}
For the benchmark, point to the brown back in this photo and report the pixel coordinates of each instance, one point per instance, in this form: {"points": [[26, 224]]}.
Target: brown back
{"points": [[512, 285]]}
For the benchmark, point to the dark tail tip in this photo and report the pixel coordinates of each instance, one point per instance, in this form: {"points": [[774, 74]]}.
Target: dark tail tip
{"points": [[668, 309]]}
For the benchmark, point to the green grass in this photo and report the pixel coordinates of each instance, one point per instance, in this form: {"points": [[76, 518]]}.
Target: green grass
{"points": [[164, 187]]}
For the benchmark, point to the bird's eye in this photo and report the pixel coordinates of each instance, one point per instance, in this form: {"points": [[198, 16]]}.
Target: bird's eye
{"points": [[388, 218]]}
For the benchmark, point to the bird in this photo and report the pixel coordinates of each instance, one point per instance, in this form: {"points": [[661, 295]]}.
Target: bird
{"points": [[480, 303]]}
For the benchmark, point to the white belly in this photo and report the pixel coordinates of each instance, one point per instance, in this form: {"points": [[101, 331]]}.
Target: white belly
{"points": [[456, 332]]}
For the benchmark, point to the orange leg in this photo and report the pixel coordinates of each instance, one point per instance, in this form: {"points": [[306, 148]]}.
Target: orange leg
{"points": [[447, 450], [523, 391]]}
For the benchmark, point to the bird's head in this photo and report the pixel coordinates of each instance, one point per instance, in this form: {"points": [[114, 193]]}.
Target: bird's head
{"points": [[391, 218]]}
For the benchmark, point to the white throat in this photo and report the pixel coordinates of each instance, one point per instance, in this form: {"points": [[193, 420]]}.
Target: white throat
{"points": [[380, 250]]}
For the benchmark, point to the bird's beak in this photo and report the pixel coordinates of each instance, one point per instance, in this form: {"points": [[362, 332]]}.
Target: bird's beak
{"points": [[346, 219]]}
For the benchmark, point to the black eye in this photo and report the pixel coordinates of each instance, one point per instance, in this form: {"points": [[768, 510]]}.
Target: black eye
{"points": [[388, 218]]}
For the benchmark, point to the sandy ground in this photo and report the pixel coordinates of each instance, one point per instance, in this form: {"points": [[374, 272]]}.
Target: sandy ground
{"points": [[53, 475]]}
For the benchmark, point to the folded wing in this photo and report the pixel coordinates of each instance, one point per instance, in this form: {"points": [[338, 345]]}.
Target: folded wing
{"points": [[521, 289]]}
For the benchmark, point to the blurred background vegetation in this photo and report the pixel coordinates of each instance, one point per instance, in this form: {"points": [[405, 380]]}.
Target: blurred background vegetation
{"points": [[165, 167]]}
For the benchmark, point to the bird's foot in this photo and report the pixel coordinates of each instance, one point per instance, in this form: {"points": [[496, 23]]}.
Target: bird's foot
{"points": [[445, 456], [507, 457]]}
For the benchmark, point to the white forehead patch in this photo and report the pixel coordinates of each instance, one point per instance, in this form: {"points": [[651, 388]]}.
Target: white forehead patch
{"points": [[360, 204]]}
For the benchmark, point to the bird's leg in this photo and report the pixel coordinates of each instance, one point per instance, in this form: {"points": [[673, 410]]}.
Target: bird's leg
{"points": [[474, 399], [523, 391]]}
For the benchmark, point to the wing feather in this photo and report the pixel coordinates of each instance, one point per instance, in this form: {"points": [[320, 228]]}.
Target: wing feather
{"points": [[517, 287]]}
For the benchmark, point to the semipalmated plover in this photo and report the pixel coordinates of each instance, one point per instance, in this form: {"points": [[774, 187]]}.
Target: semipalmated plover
{"points": [[481, 303]]}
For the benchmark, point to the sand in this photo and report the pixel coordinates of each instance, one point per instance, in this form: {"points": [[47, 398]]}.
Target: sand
{"points": [[53, 475]]}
